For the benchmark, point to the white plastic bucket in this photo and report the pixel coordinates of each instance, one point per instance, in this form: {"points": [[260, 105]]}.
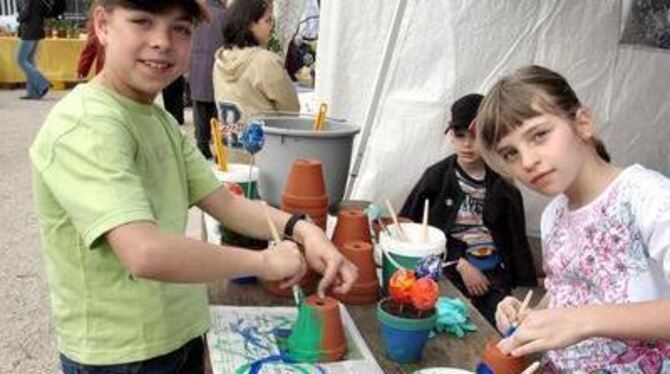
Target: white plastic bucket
{"points": [[397, 253]]}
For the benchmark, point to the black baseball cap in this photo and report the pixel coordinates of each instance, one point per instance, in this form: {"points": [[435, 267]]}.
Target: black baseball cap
{"points": [[464, 111]]}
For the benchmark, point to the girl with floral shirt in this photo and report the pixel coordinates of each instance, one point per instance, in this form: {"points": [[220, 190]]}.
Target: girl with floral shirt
{"points": [[605, 236]]}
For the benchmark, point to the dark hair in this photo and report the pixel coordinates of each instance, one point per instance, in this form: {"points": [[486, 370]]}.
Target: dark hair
{"points": [[190, 7], [524, 94], [239, 15]]}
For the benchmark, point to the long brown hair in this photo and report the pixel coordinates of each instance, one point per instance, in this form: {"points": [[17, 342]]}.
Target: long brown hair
{"points": [[528, 92]]}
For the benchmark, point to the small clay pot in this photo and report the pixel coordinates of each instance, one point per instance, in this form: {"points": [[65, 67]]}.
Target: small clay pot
{"points": [[308, 284], [351, 225], [306, 179], [498, 362], [304, 201], [366, 288], [387, 221], [318, 334]]}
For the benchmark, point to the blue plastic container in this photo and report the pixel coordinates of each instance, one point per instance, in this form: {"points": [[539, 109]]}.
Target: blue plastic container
{"points": [[404, 338]]}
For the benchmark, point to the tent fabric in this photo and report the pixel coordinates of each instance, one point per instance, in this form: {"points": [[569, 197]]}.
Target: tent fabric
{"points": [[446, 49]]}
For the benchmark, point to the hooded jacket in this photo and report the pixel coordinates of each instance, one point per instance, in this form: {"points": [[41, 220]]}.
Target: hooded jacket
{"points": [[255, 80], [503, 215]]}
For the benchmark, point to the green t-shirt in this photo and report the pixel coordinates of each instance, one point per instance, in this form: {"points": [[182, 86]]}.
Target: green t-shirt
{"points": [[102, 160]]}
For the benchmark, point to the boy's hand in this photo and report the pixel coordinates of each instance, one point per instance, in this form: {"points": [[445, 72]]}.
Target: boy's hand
{"points": [[283, 261], [507, 312], [322, 256], [547, 329], [474, 280]]}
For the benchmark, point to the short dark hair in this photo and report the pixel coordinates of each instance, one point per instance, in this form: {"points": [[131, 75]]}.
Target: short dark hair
{"points": [[239, 15], [191, 7]]}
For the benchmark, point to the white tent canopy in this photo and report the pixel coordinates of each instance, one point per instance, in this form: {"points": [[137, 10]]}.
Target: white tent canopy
{"points": [[445, 49]]}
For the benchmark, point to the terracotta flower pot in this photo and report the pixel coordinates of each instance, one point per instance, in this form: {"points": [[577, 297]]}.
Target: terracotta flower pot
{"points": [[496, 361], [366, 288], [351, 225], [306, 179], [318, 334], [308, 283], [305, 201]]}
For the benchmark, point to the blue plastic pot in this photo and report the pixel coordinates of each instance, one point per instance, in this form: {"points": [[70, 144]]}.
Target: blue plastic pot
{"points": [[404, 338]]}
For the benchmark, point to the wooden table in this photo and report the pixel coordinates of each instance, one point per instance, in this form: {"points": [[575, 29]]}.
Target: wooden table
{"points": [[443, 350]]}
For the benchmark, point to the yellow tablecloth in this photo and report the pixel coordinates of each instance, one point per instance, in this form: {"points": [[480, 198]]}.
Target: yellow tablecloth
{"points": [[56, 58]]}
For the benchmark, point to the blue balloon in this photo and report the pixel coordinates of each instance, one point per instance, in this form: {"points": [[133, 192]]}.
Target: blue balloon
{"points": [[253, 137]]}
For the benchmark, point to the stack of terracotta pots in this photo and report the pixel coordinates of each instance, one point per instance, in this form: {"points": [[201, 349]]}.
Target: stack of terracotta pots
{"points": [[305, 191], [352, 237]]}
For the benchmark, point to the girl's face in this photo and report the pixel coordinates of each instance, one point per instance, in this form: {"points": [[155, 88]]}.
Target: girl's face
{"points": [[144, 52], [546, 152], [262, 29]]}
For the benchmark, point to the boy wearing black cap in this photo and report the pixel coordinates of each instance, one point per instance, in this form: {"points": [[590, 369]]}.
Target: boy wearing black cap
{"points": [[480, 213]]}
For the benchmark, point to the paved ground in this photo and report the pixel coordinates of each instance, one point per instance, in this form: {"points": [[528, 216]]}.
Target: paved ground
{"points": [[27, 340]]}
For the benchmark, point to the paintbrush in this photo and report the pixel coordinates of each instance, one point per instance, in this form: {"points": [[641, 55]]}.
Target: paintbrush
{"points": [[298, 295], [522, 309], [532, 368], [401, 233]]}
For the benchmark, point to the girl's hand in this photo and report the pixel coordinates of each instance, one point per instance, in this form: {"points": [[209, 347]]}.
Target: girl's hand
{"points": [[548, 329], [507, 312], [474, 280], [283, 261]]}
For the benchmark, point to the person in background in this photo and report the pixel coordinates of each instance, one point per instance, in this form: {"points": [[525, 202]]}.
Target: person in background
{"points": [[31, 31], [173, 99], [605, 235], [207, 38], [247, 76], [481, 214]]}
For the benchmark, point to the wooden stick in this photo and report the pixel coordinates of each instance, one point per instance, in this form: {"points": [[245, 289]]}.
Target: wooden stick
{"points": [[395, 220], [525, 302], [532, 368], [273, 229], [320, 119], [297, 292], [424, 223], [221, 159]]}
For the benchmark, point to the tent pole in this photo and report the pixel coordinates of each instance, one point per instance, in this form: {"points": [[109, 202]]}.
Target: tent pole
{"points": [[377, 89]]}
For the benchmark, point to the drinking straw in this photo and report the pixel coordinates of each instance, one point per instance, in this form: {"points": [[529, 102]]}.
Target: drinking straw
{"points": [[395, 220], [320, 119], [532, 368], [297, 292], [424, 223]]}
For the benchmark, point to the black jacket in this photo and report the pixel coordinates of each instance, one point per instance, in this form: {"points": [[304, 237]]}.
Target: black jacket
{"points": [[503, 216], [31, 19]]}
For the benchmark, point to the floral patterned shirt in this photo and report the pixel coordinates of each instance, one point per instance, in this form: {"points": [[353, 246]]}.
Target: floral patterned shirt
{"points": [[615, 250]]}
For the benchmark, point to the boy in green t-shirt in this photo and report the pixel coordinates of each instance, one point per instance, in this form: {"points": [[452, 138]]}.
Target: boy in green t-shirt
{"points": [[113, 180]]}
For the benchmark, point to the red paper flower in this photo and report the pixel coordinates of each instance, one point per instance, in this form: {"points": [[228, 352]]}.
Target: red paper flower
{"points": [[235, 189], [424, 293], [401, 284]]}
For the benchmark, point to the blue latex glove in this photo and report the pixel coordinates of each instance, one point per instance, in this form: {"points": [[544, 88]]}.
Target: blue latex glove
{"points": [[453, 317], [374, 212]]}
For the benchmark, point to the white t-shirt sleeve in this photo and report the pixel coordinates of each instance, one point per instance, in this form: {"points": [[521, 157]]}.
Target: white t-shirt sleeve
{"points": [[651, 207]]}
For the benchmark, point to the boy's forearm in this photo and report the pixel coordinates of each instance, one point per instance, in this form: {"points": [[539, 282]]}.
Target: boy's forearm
{"points": [[645, 320], [149, 253]]}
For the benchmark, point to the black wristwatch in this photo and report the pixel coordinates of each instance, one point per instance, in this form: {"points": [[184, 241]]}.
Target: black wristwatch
{"points": [[290, 224]]}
